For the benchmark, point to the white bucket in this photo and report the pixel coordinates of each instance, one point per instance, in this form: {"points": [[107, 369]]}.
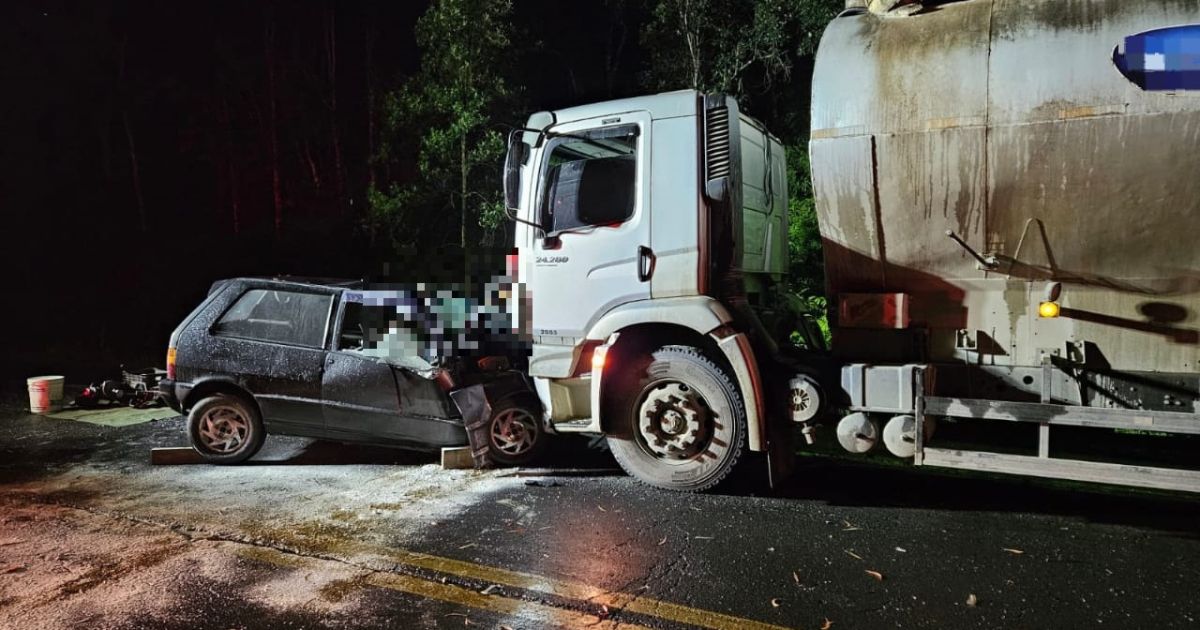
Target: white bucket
{"points": [[45, 393]]}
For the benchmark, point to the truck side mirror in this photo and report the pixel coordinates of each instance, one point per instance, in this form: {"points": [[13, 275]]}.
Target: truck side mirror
{"points": [[518, 154]]}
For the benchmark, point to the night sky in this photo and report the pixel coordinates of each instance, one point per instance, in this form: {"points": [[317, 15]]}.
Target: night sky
{"points": [[137, 152]]}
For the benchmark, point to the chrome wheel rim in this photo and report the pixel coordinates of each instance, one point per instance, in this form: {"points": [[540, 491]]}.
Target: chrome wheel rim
{"points": [[223, 429], [514, 432]]}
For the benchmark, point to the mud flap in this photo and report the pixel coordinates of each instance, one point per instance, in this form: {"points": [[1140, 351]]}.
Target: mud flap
{"points": [[476, 411], [781, 453]]}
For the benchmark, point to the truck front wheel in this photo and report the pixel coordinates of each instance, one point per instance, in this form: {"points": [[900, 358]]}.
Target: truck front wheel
{"points": [[682, 425]]}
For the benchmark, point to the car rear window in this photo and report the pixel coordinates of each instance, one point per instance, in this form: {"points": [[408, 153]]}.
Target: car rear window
{"points": [[289, 317]]}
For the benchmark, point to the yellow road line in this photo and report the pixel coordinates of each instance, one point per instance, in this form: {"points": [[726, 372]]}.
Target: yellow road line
{"points": [[561, 588], [578, 591], [540, 614]]}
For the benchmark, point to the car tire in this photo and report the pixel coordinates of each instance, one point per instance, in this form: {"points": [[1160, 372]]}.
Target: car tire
{"points": [[682, 426], [225, 429], [515, 433]]}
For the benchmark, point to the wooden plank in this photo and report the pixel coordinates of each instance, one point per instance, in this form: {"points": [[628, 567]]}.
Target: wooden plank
{"points": [[1076, 470], [168, 456], [457, 457], [1067, 415]]}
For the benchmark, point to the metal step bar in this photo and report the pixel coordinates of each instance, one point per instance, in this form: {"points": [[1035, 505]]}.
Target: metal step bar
{"points": [[1073, 469], [1046, 415]]}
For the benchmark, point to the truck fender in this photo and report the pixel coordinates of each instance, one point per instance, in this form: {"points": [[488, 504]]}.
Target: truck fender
{"points": [[700, 313], [740, 355]]}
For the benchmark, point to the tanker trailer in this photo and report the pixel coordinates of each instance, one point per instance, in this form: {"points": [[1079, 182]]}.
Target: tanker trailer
{"points": [[1007, 191]]}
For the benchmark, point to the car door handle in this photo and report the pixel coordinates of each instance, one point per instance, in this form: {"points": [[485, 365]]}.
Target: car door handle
{"points": [[646, 261]]}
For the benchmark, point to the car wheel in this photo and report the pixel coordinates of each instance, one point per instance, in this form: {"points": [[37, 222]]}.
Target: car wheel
{"points": [[683, 426], [225, 429], [515, 435]]}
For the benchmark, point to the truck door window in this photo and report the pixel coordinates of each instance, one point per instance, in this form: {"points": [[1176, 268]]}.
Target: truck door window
{"points": [[590, 179]]}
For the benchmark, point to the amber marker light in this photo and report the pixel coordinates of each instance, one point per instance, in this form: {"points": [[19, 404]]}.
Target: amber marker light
{"points": [[598, 357], [1048, 309]]}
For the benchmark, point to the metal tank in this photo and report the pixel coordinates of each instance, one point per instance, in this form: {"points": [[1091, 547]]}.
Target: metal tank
{"points": [[1007, 123]]}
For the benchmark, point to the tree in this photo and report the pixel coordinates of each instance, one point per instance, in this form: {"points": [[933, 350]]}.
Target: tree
{"points": [[448, 112], [716, 45]]}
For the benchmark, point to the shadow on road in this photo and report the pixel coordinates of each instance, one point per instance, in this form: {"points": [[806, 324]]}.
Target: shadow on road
{"points": [[838, 482]]}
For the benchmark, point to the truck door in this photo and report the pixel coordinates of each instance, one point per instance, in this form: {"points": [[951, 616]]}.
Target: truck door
{"points": [[595, 253]]}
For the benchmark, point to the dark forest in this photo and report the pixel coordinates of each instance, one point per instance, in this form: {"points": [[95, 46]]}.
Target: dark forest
{"points": [[152, 148]]}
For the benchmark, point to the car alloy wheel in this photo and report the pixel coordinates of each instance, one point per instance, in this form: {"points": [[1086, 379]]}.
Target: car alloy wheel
{"points": [[223, 429]]}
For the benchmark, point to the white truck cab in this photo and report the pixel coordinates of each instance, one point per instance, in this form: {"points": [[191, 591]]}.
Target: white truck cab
{"points": [[646, 227]]}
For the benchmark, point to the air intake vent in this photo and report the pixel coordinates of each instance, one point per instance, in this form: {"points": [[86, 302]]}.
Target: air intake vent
{"points": [[716, 142]]}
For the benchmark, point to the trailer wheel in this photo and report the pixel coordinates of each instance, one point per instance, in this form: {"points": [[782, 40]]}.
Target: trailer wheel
{"points": [[683, 426]]}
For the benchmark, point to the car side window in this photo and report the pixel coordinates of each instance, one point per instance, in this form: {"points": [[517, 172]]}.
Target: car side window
{"points": [[289, 317], [353, 333]]}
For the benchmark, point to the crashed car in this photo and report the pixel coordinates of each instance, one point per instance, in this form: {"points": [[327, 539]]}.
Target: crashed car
{"points": [[329, 360]]}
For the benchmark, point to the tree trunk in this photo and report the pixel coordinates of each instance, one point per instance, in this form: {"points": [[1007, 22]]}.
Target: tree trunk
{"points": [[339, 184], [135, 172], [462, 156], [276, 184], [369, 41], [231, 165]]}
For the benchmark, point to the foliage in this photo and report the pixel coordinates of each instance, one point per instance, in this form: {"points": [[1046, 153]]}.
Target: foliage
{"points": [[711, 45], [447, 115]]}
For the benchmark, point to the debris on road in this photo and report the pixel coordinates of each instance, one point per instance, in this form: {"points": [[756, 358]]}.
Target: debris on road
{"points": [[901, 550], [827, 625], [566, 472], [488, 590], [853, 555], [1015, 552], [972, 600], [875, 574], [776, 602]]}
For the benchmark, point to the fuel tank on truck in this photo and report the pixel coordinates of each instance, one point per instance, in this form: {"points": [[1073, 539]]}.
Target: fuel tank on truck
{"points": [[1014, 125]]}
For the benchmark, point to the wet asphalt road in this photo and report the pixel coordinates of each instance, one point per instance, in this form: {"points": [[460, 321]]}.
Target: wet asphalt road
{"points": [[317, 535]]}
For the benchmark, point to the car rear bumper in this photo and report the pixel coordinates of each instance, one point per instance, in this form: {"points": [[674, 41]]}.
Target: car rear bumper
{"points": [[170, 392]]}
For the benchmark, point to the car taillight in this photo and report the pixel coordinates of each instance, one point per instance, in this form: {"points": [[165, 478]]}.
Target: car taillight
{"points": [[171, 363]]}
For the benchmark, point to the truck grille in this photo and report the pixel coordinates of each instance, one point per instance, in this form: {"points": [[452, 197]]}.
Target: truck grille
{"points": [[716, 142]]}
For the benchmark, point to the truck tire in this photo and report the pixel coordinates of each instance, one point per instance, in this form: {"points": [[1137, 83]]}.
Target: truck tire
{"points": [[225, 429], [682, 426]]}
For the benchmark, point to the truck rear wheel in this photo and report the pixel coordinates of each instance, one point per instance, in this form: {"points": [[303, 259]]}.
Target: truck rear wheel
{"points": [[683, 426]]}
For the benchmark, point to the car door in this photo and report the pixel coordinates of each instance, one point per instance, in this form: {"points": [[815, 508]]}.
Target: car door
{"points": [[371, 389], [596, 254], [271, 339]]}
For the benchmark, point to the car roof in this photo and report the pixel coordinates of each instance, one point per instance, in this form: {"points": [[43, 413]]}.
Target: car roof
{"points": [[333, 283]]}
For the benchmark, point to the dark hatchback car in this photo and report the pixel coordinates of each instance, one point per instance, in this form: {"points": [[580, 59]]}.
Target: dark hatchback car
{"points": [[309, 358]]}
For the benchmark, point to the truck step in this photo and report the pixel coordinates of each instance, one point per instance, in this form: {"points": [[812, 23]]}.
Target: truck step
{"points": [[1076, 470], [580, 425]]}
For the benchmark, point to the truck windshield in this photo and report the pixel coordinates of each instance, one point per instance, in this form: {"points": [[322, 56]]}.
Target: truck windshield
{"points": [[590, 179]]}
